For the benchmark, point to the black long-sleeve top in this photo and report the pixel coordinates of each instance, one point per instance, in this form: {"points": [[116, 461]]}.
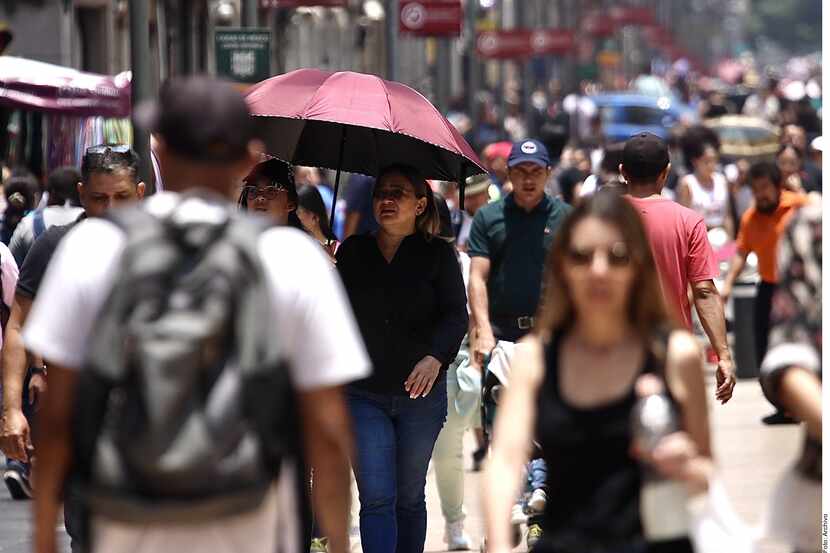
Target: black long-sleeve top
{"points": [[407, 309]]}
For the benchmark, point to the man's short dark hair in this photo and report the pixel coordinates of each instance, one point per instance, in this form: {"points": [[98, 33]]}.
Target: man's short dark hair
{"points": [[110, 159], [765, 169], [62, 186], [644, 157]]}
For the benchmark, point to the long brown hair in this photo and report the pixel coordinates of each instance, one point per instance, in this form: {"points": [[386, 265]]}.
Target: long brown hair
{"points": [[428, 222], [646, 310]]}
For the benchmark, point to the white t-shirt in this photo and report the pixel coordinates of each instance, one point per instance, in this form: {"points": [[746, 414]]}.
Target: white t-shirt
{"points": [[311, 318], [8, 278], [711, 203]]}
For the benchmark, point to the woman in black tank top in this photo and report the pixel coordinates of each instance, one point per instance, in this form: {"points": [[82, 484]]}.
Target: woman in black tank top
{"points": [[602, 326]]}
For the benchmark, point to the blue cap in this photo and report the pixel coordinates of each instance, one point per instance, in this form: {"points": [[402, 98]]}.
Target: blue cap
{"points": [[529, 151]]}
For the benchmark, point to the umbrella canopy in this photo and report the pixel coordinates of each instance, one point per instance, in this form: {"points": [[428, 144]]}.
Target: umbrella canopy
{"points": [[35, 85], [358, 123]]}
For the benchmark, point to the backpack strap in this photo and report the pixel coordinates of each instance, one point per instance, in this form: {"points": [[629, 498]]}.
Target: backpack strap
{"points": [[38, 223]]}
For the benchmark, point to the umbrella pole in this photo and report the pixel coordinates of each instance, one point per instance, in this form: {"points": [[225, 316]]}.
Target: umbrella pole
{"points": [[337, 176], [462, 183]]}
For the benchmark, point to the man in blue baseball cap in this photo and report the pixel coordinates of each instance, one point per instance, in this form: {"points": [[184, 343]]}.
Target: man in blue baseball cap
{"points": [[508, 243]]}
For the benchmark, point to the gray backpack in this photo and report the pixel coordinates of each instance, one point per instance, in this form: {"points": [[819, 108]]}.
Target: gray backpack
{"points": [[183, 409]]}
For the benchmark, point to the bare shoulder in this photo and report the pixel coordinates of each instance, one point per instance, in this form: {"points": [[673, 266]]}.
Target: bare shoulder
{"points": [[683, 346], [528, 360]]}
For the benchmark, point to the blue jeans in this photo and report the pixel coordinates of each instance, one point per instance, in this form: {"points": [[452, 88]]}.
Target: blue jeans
{"points": [[394, 438], [537, 475]]}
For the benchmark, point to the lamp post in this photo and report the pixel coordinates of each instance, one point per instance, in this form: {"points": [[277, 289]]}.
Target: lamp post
{"points": [[392, 14], [140, 64]]}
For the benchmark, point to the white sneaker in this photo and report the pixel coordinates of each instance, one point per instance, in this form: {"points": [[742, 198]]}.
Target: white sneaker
{"points": [[538, 501], [517, 515], [455, 537]]}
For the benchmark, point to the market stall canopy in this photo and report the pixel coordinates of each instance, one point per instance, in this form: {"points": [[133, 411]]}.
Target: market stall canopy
{"points": [[38, 86]]}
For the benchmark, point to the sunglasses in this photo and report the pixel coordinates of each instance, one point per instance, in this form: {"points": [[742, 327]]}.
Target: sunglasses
{"points": [[115, 150], [617, 255], [267, 192]]}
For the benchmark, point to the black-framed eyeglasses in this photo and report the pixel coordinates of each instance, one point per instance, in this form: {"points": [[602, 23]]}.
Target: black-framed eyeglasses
{"points": [[268, 192]]}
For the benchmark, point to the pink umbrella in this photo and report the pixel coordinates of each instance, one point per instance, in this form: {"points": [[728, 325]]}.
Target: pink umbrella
{"points": [[35, 85], [358, 123]]}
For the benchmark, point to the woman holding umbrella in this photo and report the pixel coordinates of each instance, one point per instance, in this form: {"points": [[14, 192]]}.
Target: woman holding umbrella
{"points": [[408, 296]]}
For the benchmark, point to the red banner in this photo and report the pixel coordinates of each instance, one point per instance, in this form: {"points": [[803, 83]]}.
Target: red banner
{"points": [[431, 17], [597, 24], [632, 15], [523, 43], [303, 3]]}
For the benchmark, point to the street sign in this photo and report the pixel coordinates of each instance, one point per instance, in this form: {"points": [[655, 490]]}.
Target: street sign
{"points": [[243, 55], [303, 3], [523, 43], [431, 17]]}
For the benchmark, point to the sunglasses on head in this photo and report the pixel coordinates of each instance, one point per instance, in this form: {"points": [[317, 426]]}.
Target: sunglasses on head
{"points": [[115, 150], [617, 255]]}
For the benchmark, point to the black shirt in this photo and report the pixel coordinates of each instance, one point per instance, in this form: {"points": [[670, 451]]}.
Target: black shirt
{"points": [[407, 309], [38, 258]]}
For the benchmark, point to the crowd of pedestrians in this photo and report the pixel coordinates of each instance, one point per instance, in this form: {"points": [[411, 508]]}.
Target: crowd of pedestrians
{"points": [[204, 368]]}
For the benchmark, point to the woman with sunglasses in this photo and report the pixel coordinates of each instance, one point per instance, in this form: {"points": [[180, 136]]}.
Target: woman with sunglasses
{"points": [[408, 297], [602, 333], [269, 190]]}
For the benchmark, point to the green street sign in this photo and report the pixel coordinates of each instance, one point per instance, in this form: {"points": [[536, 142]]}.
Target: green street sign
{"points": [[243, 55]]}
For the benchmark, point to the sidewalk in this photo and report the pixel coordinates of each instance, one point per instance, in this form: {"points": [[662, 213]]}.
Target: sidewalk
{"points": [[751, 457]]}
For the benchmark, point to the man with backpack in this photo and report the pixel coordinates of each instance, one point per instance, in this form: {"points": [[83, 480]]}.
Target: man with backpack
{"points": [[62, 207], [190, 348]]}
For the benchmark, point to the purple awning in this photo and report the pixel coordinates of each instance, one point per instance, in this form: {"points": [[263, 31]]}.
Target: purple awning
{"points": [[34, 85]]}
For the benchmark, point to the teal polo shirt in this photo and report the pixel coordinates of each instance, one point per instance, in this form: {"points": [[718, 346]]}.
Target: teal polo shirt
{"points": [[516, 243]]}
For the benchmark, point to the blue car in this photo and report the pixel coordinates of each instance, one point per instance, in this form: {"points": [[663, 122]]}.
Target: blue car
{"points": [[625, 114]]}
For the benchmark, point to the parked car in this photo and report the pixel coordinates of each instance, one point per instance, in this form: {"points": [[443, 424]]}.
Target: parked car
{"points": [[625, 114], [745, 137]]}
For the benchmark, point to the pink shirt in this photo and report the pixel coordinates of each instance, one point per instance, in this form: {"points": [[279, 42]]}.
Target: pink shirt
{"points": [[681, 250]]}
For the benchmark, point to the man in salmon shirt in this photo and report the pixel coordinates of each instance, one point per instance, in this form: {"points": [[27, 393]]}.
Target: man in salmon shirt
{"points": [[761, 229], [681, 249]]}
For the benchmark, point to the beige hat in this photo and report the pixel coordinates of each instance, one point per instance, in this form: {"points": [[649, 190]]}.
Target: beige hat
{"points": [[477, 184]]}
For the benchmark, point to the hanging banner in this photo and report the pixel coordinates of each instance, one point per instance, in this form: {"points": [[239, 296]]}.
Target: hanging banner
{"points": [[598, 24], [431, 17], [303, 3], [630, 15], [522, 43]]}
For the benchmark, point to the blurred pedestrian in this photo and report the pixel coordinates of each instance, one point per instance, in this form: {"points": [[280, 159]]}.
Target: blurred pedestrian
{"points": [[21, 198], [476, 196], [62, 208], [109, 178], [794, 135], [790, 162], [791, 379], [705, 190], [463, 400], [508, 243], [601, 332], [570, 183], [680, 248], [764, 103], [760, 232], [360, 220], [407, 293], [269, 190], [234, 483], [311, 211]]}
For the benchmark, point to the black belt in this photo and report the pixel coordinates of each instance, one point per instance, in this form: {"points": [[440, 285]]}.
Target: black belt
{"points": [[522, 322]]}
